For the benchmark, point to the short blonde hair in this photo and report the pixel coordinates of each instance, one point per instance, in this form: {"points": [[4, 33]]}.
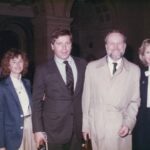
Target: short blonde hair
{"points": [[142, 49]]}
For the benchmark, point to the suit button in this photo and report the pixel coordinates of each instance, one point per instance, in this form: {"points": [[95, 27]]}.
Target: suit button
{"points": [[21, 115], [21, 127]]}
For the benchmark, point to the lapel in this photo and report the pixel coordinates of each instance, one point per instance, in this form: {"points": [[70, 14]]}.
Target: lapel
{"points": [[11, 88], [102, 66], [144, 79], [27, 88], [144, 86], [53, 71], [124, 66], [103, 69], [79, 76]]}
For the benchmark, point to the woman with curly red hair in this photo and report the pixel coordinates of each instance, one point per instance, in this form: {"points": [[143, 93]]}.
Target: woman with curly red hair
{"points": [[15, 103]]}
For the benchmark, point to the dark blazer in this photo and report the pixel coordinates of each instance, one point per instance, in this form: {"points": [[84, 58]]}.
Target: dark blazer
{"points": [[11, 115], [141, 133], [60, 113]]}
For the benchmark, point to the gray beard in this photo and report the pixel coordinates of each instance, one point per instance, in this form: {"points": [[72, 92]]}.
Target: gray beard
{"points": [[116, 58]]}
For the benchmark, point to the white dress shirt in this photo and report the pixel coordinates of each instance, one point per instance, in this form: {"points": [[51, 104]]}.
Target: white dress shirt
{"points": [[62, 68], [111, 65], [22, 95]]}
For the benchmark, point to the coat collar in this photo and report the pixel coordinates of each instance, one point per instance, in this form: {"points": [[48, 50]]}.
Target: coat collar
{"points": [[103, 62], [12, 89]]}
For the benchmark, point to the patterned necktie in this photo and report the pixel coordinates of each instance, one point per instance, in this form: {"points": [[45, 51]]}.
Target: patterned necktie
{"points": [[69, 78], [115, 67]]}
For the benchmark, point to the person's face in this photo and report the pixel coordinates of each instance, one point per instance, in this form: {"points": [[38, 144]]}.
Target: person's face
{"points": [[147, 55], [16, 65], [115, 46], [62, 47]]}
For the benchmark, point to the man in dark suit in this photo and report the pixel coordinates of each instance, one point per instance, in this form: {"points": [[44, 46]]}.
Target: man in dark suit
{"points": [[57, 92]]}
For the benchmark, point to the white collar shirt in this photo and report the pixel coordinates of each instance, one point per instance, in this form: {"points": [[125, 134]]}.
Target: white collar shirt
{"points": [[111, 65], [61, 67]]}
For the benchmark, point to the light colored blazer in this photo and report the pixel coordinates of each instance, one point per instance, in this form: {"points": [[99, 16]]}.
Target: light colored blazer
{"points": [[110, 102]]}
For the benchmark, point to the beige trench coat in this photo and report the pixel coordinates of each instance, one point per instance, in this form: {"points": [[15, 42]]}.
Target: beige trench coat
{"points": [[110, 102]]}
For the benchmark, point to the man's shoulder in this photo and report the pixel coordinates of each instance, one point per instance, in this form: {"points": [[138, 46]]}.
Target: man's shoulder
{"points": [[97, 63], [79, 59], [82, 61], [3, 81], [131, 65], [26, 80], [45, 64]]}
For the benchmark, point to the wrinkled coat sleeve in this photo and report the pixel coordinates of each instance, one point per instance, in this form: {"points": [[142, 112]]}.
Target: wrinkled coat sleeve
{"points": [[132, 109], [86, 100]]}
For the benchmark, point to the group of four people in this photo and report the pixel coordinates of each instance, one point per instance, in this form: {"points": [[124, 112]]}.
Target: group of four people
{"points": [[72, 100]]}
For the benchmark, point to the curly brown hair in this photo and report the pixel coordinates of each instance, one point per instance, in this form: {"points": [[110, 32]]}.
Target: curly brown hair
{"points": [[10, 54]]}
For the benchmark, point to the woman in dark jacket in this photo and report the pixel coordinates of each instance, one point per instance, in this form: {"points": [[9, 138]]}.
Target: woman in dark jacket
{"points": [[15, 99], [141, 133]]}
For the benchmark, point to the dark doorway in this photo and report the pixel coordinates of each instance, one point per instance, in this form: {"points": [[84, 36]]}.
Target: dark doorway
{"points": [[8, 39]]}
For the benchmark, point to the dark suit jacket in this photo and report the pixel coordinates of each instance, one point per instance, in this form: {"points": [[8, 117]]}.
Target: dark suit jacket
{"points": [[60, 113], [11, 115], [141, 133]]}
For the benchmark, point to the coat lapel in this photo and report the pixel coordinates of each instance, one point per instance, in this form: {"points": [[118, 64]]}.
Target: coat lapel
{"points": [[143, 87], [79, 76], [27, 88], [13, 92], [53, 71], [102, 66]]}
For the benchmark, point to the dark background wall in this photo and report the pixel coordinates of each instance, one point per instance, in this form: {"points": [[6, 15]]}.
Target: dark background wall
{"points": [[93, 19], [28, 25]]}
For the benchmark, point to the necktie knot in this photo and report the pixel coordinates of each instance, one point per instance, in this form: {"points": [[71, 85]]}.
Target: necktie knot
{"points": [[67, 64], [69, 78], [114, 67]]}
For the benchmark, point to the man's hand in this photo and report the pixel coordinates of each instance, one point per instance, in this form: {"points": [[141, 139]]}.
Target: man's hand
{"points": [[39, 138], [123, 131], [86, 136]]}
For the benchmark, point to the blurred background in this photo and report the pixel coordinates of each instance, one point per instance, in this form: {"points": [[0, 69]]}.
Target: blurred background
{"points": [[27, 25]]}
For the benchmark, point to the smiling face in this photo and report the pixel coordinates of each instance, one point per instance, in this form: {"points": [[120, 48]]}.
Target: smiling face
{"points": [[16, 65], [62, 47], [115, 45]]}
